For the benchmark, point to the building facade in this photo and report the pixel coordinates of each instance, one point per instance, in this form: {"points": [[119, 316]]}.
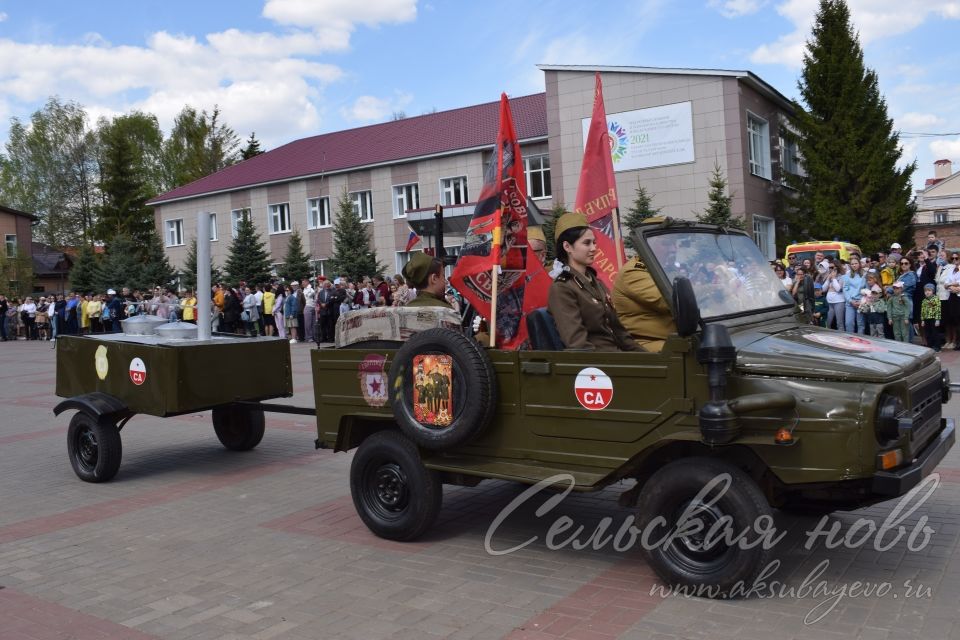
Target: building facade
{"points": [[17, 232], [669, 128], [938, 206]]}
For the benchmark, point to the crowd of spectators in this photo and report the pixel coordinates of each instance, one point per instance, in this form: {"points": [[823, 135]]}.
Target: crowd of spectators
{"points": [[895, 294], [301, 311]]}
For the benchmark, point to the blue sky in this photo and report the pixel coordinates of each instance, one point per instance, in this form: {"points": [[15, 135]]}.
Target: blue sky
{"points": [[291, 68]]}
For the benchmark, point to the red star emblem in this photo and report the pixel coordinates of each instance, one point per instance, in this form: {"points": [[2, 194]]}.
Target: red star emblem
{"points": [[375, 386], [593, 378]]}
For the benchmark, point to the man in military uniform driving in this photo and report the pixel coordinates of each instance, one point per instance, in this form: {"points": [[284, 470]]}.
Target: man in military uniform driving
{"points": [[641, 307]]}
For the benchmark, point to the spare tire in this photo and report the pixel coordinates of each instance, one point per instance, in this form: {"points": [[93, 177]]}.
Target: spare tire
{"points": [[443, 388]]}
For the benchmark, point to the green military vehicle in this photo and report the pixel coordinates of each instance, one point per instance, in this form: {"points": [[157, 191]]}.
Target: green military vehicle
{"points": [[747, 408]]}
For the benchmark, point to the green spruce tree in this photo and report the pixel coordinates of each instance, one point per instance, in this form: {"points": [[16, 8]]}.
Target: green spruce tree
{"points": [[189, 276], [852, 188], [719, 211], [125, 181], [296, 264], [121, 265], [85, 274], [640, 210], [155, 267], [352, 255], [252, 149], [248, 259]]}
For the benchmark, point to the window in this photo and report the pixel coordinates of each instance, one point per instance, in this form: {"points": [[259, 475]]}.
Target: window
{"points": [[763, 233], [537, 169], [363, 205], [320, 268], [175, 232], [235, 216], [789, 158], [213, 227], [279, 218], [318, 213], [758, 132], [939, 217], [11, 244], [454, 190], [405, 197]]}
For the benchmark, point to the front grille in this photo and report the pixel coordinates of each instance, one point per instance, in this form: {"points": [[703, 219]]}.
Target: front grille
{"points": [[924, 420]]}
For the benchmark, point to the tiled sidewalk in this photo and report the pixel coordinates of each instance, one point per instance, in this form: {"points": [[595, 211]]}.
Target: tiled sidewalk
{"points": [[194, 542]]}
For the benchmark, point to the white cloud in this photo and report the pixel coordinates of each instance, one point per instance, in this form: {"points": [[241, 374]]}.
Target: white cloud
{"points": [[269, 82], [946, 148], [873, 19], [914, 122], [374, 109], [737, 8]]}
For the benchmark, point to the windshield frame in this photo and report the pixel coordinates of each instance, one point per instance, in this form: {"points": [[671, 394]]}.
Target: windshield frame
{"points": [[680, 228]]}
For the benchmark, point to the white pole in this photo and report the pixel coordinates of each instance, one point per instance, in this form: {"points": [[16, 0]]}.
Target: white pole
{"points": [[203, 276]]}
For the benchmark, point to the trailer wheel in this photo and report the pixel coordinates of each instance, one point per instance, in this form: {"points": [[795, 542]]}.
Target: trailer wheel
{"points": [[694, 557], [238, 428], [94, 447], [394, 494], [472, 386]]}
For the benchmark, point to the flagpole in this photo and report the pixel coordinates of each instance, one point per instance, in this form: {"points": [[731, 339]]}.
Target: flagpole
{"points": [[617, 240], [494, 272]]}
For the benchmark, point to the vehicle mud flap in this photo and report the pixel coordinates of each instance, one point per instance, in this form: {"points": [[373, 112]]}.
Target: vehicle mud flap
{"points": [[443, 388]]}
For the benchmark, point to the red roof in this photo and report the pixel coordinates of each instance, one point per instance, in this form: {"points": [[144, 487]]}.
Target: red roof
{"points": [[434, 133]]}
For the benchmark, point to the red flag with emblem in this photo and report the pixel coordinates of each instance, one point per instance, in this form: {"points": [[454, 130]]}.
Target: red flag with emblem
{"points": [[597, 192], [501, 214]]}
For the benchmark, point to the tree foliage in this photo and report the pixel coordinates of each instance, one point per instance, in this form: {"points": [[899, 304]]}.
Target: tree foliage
{"points": [[352, 256], [85, 275], [189, 276], [640, 210], [16, 275], [129, 160], [199, 144], [253, 147], [247, 259], [155, 266], [128, 263], [50, 169], [719, 210], [296, 264], [848, 148]]}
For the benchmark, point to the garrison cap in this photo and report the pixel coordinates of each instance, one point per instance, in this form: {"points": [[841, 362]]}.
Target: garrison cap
{"points": [[536, 233], [417, 269], [569, 220]]}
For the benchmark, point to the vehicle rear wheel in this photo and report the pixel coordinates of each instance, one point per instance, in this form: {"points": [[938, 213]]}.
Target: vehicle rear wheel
{"points": [[238, 428], [448, 405], [684, 550], [94, 447], [395, 495]]}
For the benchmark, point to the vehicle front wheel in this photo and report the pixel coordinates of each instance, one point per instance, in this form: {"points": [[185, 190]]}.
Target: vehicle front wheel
{"points": [[395, 495], [691, 545], [238, 428], [94, 448]]}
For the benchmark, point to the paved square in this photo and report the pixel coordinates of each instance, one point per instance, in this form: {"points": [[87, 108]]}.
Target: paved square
{"points": [[192, 541]]}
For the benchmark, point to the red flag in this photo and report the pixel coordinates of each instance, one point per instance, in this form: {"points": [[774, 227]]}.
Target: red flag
{"points": [[597, 191], [501, 213]]}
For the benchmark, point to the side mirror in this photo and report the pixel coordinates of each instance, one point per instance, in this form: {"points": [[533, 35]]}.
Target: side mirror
{"points": [[686, 313]]}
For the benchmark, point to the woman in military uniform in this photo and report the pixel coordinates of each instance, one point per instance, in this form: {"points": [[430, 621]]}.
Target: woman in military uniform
{"points": [[578, 301]]}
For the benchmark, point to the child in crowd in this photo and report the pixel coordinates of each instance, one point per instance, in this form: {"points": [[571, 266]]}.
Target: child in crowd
{"points": [[820, 306], [874, 307], [899, 310], [930, 316]]}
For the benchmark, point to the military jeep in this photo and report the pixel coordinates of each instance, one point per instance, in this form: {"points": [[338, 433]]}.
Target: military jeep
{"points": [[793, 416]]}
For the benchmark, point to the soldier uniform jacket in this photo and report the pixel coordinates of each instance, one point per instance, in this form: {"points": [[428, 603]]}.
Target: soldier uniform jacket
{"points": [[641, 307], [427, 299], [585, 318]]}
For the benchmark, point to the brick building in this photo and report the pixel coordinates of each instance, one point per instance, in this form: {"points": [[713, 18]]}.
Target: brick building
{"points": [[668, 128]]}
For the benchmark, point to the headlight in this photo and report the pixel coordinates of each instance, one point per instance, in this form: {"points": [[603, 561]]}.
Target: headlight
{"points": [[888, 418]]}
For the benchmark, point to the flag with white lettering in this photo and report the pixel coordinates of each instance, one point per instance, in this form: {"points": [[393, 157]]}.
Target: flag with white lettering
{"points": [[597, 191], [501, 213]]}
